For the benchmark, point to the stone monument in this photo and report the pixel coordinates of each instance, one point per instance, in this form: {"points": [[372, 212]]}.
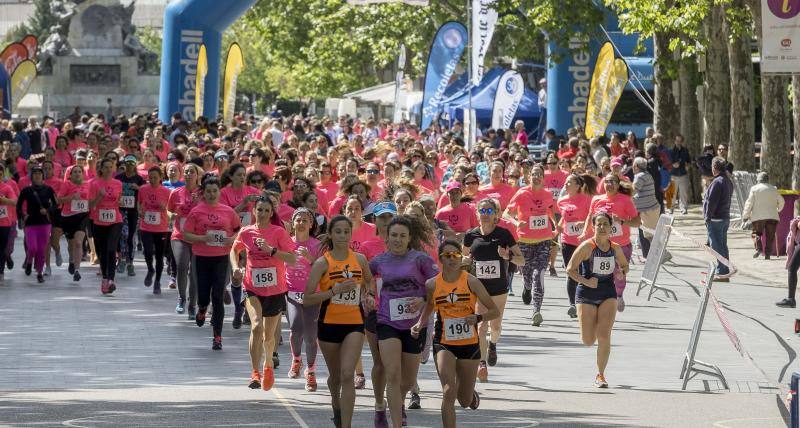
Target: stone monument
{"points": [[92, 55]]}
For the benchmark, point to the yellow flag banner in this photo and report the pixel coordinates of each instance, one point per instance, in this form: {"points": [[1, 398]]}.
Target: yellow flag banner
{"points": [[200, 82], [21, 80], [233, 67], [608, 81]]}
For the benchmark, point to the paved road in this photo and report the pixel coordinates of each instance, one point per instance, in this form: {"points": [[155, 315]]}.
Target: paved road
{"points": [[72, 357]]}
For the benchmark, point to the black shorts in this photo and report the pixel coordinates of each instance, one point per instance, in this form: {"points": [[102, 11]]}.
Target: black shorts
{"points": [[595, 296], [461, 352], [271, 305], [408, 344], [371, 322], [74, 223], [55, 215], [336, 333]]}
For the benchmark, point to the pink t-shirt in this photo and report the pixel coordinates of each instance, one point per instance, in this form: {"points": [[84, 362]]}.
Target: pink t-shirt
{"points": [[285, 213], [74, 206], [106, 212], [336, 204], [619, 205], [331, 189], [264, 275], [218, 220], [180, 203], [554, 181], [460, 219], [232, 197], [372, 248], [534, 208], [362, 234], [12, 213], [297, 274], [153, 200], [426, 186], [6, 219], [502, 193], [574, 210]]}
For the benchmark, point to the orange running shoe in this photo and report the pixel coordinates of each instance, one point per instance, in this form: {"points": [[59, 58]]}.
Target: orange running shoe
{"points": [[255, 380], [311, 382], [600, 381], [269, 379], [294, 370]]}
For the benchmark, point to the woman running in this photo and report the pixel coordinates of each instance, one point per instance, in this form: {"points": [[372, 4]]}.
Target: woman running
{"points": [[154, 224], [8, 202], [268, 248], [489, 248], [302, 319], [531, 210], [181, 202], [338, 281], [574, 208], [453, 295], [74, 199], [211, 229], [34, 209], [403, 269], [594, 266], [104, 196]]}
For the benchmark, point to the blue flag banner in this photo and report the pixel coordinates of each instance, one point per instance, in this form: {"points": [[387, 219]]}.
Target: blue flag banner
{"points": [[5, 94], [446, 50]]}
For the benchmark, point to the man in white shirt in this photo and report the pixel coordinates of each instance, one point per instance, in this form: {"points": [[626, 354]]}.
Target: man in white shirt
{"points": [[763, 208], [542, 108], [277, 134]]}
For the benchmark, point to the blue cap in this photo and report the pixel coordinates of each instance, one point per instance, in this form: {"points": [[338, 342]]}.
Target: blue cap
{"points": [[384, 207], [130, 158]]}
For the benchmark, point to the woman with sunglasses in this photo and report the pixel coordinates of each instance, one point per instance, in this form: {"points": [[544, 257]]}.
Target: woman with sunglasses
{"points": [[338, 280], [488, 249], [618, 204], [453, 295], [372, 179], [531, 210], [256, 179], [268, 249], [180, 203], [595, 265], [302, 319], [574, 208], [154, 225]]}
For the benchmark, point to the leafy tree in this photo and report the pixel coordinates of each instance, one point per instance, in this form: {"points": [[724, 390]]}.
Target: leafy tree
{"points": [[39, 24]]}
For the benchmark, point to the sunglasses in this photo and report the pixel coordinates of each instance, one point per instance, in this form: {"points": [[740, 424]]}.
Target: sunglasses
{"points": [[256, 181], [451, 255], [373, 171], [486, 211]]}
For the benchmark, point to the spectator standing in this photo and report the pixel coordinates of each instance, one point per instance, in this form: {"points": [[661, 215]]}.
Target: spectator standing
{"points": [[762, 208], [716, 213], [680, 176], [644, 199], [542, 109], [703, 163]]}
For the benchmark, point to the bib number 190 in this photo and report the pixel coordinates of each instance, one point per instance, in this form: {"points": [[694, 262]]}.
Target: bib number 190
{"points": [[457, 329]]}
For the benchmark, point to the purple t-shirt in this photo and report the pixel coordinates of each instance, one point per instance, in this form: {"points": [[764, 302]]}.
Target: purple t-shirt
{"points": [[403, 278]]}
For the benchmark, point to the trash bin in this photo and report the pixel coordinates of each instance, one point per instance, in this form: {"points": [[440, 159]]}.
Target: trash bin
{"points": [[786, 215]]}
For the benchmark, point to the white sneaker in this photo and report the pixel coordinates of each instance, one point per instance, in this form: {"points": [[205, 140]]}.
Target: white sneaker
{"points": [[620, 304], [59, 260], [47, 271]]}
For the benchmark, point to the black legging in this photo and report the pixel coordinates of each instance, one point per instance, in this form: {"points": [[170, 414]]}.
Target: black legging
{"points": [[155, 242], [131, 216], [644, 243], [794, 264], [106, 239], [566, 252], [5, 233], [212, 273]]}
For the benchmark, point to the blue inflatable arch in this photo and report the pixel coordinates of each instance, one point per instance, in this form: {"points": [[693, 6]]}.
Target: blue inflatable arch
{"points": [[187, 24]]}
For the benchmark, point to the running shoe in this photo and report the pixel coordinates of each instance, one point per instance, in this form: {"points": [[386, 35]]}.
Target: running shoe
{"points": [[237, 320], [553, 271], [405, 418], [491, 356], [111, 286], [360, 381], [276, 361], [76, 276], [71, 268], [526, 296], [216, 344], [157, 288], [483, 372], [255, 380], [39, 278], [294, 370], [172, 283], [131, 272], [269, 379], [511, 293], [181, 306], [572, 311], [121, 266], [600, 381], [59, 260], [200, 318], [226, 297], [28, 268], [148, 279], [9, 263], [48, 271], [476, 401], [139, 247], [311, 382], [537, 319], [191, 313], [104, 286], [786, 303], [620, 304], [414, 402], [380, 420], [337, 418]]}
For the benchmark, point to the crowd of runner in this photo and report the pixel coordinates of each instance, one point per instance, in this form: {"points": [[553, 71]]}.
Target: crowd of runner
{"points": [[350, 230]]}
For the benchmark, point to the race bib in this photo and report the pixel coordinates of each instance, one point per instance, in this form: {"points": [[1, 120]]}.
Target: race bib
{"points": [[573, 228], [219, 238], [264, 277], [3, 211], [127, 201], [79, 205], [537, 222], [245, 218], [152, 217], [400, 308], [616, 229], [297, 296], [603, 265], [555, 191], [457, 329], [107, 216], [349, 298], [487, 269]]}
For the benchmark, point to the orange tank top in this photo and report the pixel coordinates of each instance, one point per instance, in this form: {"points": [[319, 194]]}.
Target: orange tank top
{"points": [[453, 302], [342, 308]]}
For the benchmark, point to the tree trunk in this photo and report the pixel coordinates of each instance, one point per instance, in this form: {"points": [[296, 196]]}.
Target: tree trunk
{"points": [[689, 80], [666, 118], [742, 110], [796, 120], [716, 84]]}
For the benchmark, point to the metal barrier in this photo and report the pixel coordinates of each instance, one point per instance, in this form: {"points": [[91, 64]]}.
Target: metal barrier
{"points": [[742, 182], [692, 367], [658, 248]]}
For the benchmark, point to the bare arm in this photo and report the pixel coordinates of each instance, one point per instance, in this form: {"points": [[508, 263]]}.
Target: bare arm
{"points": [[312, 296], [430, 287], [580, 254], [483, 296]]}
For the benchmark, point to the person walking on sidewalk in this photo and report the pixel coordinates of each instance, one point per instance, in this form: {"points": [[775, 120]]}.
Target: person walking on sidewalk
{"points": [[717, 213], [762, 208], [680, 176]]}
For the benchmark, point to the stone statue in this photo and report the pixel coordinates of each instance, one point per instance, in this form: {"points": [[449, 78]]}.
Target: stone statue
{"points": [[55, 45], [134, 47]]}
